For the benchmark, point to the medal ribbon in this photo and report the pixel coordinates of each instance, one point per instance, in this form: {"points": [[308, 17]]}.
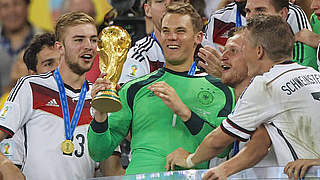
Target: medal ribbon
{"points": [[238, 24], [69, 127], [238, 18]]}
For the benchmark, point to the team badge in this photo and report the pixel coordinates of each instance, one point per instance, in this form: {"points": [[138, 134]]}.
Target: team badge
{"points": [[7, 148], [4, 111], [134, 69], [205, 96]]}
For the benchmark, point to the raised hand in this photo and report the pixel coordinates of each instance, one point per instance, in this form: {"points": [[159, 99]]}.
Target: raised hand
{"points": [[170, 98], [212, 63]]}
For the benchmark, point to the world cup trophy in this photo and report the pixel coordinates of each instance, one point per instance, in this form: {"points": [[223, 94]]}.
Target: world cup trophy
{"points": [[113, 45]]}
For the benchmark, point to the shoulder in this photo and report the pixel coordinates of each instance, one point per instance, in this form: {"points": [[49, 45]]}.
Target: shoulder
{"points": [[144, 80], [25, 83], [297, 18], [227, 9]]}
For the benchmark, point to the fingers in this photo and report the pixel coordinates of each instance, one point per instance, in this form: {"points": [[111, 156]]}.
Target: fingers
{"points": [[304, 169], [102, 75], [170, 163]]}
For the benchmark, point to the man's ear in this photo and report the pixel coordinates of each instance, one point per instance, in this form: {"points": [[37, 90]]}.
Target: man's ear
{"points": [[260, 52], [31, 72], [199, 37], [147, 10], [284, 13], [59, 46]]}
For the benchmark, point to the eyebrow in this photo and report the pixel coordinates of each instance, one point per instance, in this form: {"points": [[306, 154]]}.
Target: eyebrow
{"points": [[81, 36]]}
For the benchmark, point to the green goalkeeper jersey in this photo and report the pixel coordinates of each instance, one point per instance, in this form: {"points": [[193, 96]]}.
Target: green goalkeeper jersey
{"points": [[150, 121]]}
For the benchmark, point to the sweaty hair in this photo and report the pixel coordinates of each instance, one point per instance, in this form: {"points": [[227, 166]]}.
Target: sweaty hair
{"points": [[279, 4], [36, 45], [273, 34], [186, 9], [71, 19]]}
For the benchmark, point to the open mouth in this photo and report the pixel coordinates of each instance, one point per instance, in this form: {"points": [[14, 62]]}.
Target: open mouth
{"points": [[86, 56], [225, 67], [173, 47]]}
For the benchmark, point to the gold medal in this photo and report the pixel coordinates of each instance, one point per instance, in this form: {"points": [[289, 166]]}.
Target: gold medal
{"points": [[67, 146]]}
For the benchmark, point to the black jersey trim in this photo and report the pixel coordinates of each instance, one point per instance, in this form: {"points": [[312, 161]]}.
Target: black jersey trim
{"points": [[300, 14], [234, 125], [76, 90], [225, 130], [7, 131], [99, 127], [293, 152], [135, 87], [194, 124], [25, 140], [19, 84], [297, 15], [227, 109]]}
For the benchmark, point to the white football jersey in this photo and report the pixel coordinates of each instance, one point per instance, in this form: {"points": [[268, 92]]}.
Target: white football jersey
{"points": [[223, 20], [287, 100], [34, 107], [143, 58]]}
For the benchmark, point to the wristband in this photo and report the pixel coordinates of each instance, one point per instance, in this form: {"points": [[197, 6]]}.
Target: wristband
{"points": [[189, 162]]}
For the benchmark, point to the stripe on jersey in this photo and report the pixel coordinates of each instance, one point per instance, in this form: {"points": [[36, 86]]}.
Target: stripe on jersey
{"points": [[43, 95], [143, 47], [293, 152], [7, 131], [17, 87], [232, 134], [232, 128], [301, 17], [228, 7]]}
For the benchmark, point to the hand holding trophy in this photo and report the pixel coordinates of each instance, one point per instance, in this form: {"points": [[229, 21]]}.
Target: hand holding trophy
{"points": [[113, 47]]}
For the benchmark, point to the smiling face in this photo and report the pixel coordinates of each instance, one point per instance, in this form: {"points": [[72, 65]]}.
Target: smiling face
{"points": [[233, 60], [79, 47], [178, 40]]}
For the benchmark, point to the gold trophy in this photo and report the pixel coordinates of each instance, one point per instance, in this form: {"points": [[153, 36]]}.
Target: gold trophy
{"points": [[114, 43]]}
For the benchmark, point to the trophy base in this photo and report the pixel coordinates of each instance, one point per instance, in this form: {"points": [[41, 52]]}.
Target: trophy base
{"points": [[106, 102]]}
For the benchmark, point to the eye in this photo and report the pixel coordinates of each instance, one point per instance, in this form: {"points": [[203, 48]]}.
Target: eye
{"points": [[78, 40]]}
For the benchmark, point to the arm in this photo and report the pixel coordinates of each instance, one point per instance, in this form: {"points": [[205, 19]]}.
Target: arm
{"points": [[301, 166], [105, 133], [308, 37], [169, 97], [112, 166], [246, 158], [213, 144], [7, 169]]}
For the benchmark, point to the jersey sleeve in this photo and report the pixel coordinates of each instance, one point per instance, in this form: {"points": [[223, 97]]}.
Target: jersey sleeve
{"points": [[252, 109], [135, 66], [17, 109], [223, 106], [102, 144]]}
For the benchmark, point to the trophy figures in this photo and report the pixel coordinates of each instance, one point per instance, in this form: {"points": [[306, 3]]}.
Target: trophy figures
{"points": [[114, 43]]}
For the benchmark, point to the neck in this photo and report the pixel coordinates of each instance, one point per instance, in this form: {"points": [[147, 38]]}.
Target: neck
{"points": [[239, 88], [156, 33], [181, 67], [69, 77]]}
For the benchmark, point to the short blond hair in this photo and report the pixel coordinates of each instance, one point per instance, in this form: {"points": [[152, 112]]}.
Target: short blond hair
{"points": [[71, 19], [186, 9]]}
